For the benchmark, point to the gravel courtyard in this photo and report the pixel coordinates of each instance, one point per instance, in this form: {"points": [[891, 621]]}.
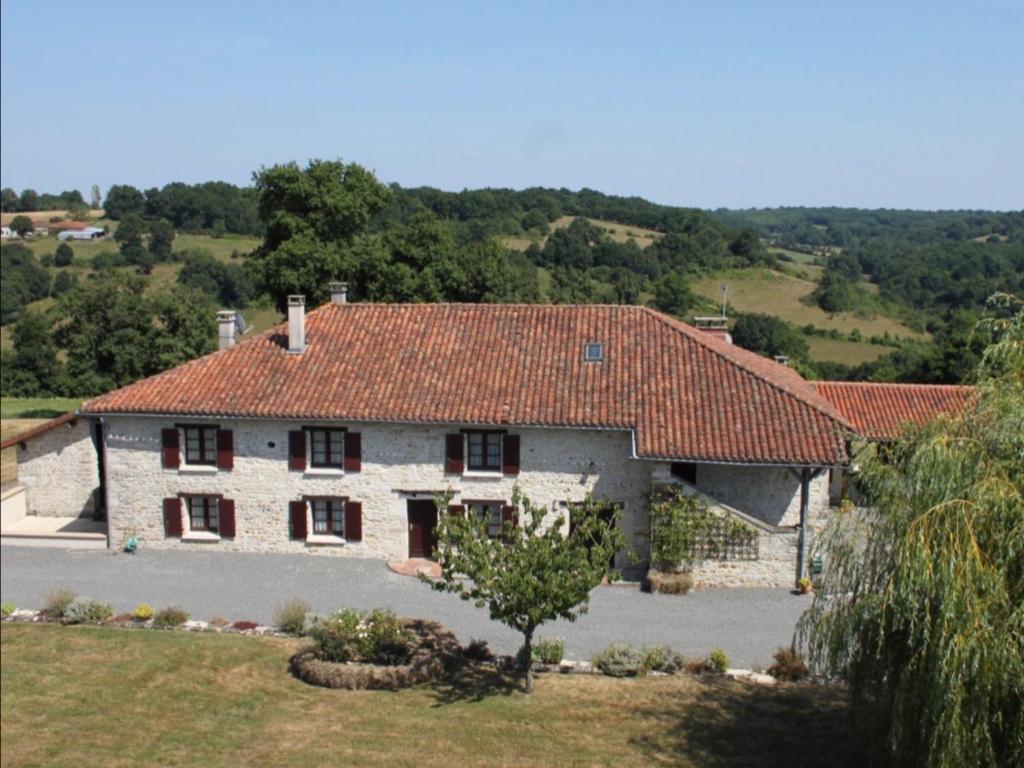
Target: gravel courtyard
{"points": [[749, 624]]}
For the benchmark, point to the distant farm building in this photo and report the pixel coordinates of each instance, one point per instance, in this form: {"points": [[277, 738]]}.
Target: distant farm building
{"points": [[82, 233]]}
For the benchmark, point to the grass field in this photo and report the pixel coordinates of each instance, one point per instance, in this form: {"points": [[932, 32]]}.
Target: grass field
{"points": [[620, 233], [762, 290], [844, 351], [116, 697]]}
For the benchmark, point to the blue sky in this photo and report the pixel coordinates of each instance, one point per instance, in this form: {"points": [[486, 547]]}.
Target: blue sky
{"points": [[895, 104]]}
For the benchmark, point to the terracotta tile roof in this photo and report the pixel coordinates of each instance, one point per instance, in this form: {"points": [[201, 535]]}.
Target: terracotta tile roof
{"points": [[687, 395], [881, 410]]}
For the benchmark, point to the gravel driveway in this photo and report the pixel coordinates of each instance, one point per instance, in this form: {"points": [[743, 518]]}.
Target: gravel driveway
{"points": [[749, 624]]}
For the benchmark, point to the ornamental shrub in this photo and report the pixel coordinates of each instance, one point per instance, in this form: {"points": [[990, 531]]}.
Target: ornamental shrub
{"points": [[660, 658], [375, 638], [549, 650], [57, 602], [82, 609], [7, 608], [290, 617], [619, 660], [143, 612], [171, 616], [789, 665], [717, 661]]}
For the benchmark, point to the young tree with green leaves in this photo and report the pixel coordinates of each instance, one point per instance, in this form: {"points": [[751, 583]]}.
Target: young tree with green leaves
{"points": [[535, 571], [921, 606]]}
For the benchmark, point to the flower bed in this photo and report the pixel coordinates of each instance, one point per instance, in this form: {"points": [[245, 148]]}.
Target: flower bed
{"points": [[430, 651]]}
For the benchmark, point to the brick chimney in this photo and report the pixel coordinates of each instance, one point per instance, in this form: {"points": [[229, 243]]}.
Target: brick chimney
{"points": [[339, 293], [717, 326], [225, 329], [296, 325]]}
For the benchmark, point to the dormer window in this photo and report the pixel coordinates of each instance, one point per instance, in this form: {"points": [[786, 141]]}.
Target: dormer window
{"points": [[593, 352]]}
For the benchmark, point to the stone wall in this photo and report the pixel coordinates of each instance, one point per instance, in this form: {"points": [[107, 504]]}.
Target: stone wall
{"points": [[399, 462], [60, 471], [768, 494]]}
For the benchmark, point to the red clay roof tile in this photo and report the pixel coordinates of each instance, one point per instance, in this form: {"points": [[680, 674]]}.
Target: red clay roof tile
{"points": [[687, 395], [881, 410]]}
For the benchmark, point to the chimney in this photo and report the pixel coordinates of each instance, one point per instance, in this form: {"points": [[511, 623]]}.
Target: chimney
{"points": [[296, 324], [225, 329], [339, 293], [714, 326]]}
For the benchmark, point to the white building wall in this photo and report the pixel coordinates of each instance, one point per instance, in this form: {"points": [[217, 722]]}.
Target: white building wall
{"points": [[59, 470], [771, 494], [398, 461]]}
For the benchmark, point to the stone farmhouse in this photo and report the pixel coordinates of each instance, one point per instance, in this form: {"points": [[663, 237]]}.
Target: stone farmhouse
{"points": [[336, 433]]}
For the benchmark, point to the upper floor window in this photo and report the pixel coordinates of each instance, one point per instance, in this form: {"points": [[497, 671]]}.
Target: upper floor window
{"points": [[484, 450], [200, 445], [593, 352], [204, 513], [328, 516], [327, 447]]}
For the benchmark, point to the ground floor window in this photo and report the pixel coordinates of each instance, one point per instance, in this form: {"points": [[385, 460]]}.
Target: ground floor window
{"points": [[204, 513], [328, 516], [490, 513]]}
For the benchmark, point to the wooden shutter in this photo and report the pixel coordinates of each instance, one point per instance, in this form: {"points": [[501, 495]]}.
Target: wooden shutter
{"points": [[171, 450], [297, 519], [510, 455], [508, 515], [225, 449], [172, 516], [297, 452], [353, 452], [457, 510], [354, 520], [453, 462], [226, 512]]}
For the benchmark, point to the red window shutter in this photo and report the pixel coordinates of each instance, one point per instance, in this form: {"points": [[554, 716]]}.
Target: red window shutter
{"points": [[453, 462], [172, 516], [171, 451], [354, 520], [297, 519], [457, 510], [297, 452], [225, 449], [510, 455], [508, 515], [353, 452], [226, 511]]}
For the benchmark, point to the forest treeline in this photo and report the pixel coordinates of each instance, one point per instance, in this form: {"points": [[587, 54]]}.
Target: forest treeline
{"points": [[329, 220]]}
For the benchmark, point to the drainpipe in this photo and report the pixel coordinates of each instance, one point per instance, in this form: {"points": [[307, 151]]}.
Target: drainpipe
{"points": [[806, 475], [805, 492]]}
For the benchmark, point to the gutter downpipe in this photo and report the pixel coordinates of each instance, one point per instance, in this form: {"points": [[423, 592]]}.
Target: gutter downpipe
{"points": [[805, 492], [806, 475]]}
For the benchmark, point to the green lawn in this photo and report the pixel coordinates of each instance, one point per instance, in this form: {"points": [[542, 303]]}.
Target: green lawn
{"points": [[36, 407], [117, 697]]}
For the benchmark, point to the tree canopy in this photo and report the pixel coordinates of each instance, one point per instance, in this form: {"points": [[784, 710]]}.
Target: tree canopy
{"points": [[921, 606], [535, 571]]}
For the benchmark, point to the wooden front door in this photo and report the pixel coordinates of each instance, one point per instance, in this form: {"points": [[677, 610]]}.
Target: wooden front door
{"points": [[422, 522]]}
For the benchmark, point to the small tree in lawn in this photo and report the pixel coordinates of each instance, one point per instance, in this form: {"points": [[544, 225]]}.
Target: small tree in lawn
{"points": [[532, 572]]}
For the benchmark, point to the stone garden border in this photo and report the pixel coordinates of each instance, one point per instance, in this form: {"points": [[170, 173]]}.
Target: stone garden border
{"points": [[440, 654]]}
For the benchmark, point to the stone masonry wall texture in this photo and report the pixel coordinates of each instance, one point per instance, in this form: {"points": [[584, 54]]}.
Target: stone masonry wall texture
{"points": [[59, 470], [402, 462]]}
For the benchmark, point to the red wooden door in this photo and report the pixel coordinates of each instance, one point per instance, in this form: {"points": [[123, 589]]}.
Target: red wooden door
{"points": [[422, 521]]}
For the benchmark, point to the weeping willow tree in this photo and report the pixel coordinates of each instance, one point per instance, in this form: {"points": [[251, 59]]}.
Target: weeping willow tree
{"points": [[921, 607]]}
